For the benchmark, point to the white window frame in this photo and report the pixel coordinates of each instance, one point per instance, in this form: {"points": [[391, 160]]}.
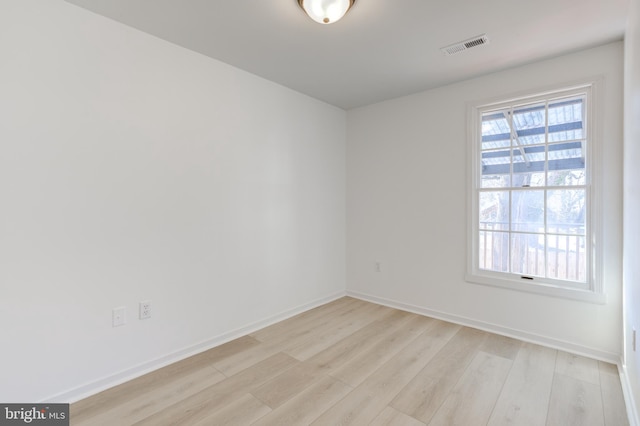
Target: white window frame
{"points": [[592, 291]]}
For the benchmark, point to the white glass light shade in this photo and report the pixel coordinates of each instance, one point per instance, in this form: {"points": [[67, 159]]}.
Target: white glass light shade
{"points": [[326, 11]]}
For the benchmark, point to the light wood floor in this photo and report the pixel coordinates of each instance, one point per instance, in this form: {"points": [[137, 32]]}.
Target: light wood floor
{"points": [[353, 362]]}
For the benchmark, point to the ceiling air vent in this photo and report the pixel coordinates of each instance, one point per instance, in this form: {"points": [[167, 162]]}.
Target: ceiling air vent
{"points": [[464, 45]]}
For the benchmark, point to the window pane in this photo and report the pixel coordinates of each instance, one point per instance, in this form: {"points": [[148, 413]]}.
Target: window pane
{"points": [[494, 210], [566, 257], [566, 164], [565, 119], [529, 124], [528, 166], [496, 132], [566, 212], [527, 211], [496, 169], [494, 251], [527, 254]]}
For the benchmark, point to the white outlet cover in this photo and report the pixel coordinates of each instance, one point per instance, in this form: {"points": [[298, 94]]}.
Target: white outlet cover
{"points": [[145, 309], [119, 316]]}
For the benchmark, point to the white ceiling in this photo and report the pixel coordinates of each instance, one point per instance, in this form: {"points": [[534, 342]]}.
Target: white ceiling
{"points": [[382, 48]]}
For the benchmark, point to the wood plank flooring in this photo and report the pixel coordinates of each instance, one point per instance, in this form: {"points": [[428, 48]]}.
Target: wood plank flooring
{"points": [[351, 362]]}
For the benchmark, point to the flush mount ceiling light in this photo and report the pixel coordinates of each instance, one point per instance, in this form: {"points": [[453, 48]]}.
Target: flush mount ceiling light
{"points": [[326, 11]]}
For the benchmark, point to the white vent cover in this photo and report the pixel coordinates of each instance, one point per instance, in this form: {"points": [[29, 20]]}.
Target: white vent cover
{"points": [[464, 45]]}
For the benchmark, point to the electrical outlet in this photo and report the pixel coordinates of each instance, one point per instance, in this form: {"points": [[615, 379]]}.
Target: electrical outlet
{"points": [[119, 316], [378, 266], [145, 309]]}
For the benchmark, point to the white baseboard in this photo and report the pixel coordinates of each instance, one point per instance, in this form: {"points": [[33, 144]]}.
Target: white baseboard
{"points": [[612, 358], [630, 402], [100, 385]]}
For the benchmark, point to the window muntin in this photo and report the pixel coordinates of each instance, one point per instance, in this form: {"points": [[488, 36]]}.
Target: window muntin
{"points": [[532, 194]]}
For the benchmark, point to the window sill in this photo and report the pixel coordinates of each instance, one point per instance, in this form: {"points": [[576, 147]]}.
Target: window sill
{"points": [[543, 289]]}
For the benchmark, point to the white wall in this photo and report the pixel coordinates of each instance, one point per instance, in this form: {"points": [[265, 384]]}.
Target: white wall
{"points": [[406, 207], [632, 202], [133, 169]]}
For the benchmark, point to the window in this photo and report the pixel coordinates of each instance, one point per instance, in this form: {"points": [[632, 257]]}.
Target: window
{"points": [[532, 196]]}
